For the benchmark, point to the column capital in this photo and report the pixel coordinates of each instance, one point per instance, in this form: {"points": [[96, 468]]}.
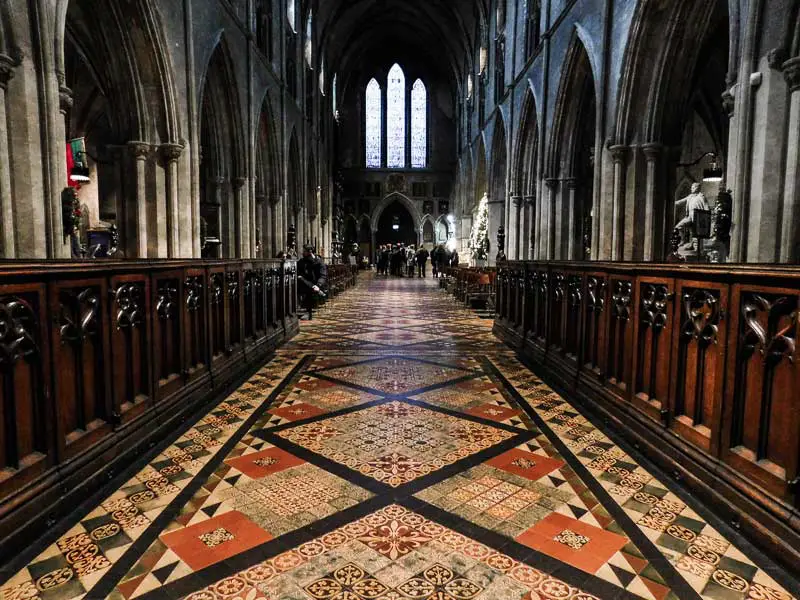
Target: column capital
{"points": [[618, 152], [140, 150], [7, 65], [572, 183], [551, 183], [220, 180], [652, 150], [529, 200], [170, 152], [64, 98], [238, 182], [791, 72], [261, 198], [516, 200], [729, 102]]}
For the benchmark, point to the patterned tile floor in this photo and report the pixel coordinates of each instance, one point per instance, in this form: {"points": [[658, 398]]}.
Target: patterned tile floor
{"points": [[394, 450]]}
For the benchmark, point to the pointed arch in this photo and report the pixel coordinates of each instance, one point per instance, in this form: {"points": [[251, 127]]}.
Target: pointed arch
{"points": [[499, 162], [480, 183], [405, 201], [571, 163], [267, 178]]}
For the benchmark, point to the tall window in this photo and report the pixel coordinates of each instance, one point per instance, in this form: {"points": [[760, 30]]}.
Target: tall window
{"points": [[309, 49], [374, 127], [398, 136], [419, 125], [333, 93], [291, 15], [396, 118]]}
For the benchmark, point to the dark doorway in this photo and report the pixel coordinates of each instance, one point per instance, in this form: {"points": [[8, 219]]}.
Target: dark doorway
{"points": [[396, 226]]}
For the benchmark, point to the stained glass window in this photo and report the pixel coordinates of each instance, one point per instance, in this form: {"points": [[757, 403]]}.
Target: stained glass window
{"points": [[373, 125], [419, 125], [396, 118]]}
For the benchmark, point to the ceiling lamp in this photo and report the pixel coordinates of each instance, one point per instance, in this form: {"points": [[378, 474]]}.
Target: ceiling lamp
{"points": [[713, 174]]}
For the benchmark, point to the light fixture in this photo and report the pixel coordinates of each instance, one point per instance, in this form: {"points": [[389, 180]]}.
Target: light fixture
{"points": [[713, 174], [79, 173], [396, 223], [396, 227]]}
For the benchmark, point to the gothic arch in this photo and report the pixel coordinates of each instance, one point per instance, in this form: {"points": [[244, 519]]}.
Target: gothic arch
{"points": [[480, 182], [570, 168], [223, 158], [405, 201], [524, 164], [499, 161], [133, 71], [267, 174]]}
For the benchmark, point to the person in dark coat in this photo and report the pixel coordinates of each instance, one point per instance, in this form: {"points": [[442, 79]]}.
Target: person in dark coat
{"points": [[454, 259], [422, 261], [312, 279]]}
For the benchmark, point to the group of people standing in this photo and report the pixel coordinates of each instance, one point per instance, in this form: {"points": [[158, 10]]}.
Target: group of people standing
{"points": [[400, 260]]}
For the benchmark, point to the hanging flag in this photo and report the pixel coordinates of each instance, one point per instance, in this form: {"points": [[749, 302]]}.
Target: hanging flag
{"points": [[77, 167]]}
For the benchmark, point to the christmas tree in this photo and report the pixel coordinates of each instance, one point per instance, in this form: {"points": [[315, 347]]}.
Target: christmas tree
{"points": [[479, 237]]}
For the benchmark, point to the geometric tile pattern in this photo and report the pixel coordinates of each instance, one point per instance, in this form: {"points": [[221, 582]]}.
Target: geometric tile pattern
{"points": [[395, 443], [394, 449]]}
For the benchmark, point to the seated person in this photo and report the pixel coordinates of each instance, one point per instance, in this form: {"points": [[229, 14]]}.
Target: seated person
{"points": [[312, 279]]}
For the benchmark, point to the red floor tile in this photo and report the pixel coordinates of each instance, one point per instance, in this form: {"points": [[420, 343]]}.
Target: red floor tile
{"points": [[493, 412], [519, 462], [260, 464], [235, 534], [593, 554], [297, 412]]}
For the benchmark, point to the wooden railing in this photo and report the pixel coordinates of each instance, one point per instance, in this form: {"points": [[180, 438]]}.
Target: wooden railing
{"points": [[341, 277], [100, 358], [697, 366]]}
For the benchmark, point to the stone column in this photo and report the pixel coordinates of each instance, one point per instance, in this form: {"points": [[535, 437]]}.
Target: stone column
{"points": [[496, 209], [790, 240], [223, 217], [574, 243], [618, 154], [261, 231], [274, 222], [140, 151], [240, 218], [528, 227], [170, 153], [547, 235], [514, 238], [8, 246], [653, 207]]}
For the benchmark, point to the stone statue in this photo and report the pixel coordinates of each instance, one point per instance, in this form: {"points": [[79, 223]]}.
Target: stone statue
{"points": [[694, 201]]}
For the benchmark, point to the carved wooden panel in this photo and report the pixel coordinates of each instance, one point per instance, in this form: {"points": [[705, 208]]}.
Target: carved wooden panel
{"points": [[531, 281], [195, 310], [80, 354], [620, 329], [763, 419], [558, 309], [233, 291], [217, 302], [653, 348], [519, 298], [271, 283], [167, 332], [26, 446], [594, 330], [129, 314], [541, 301], [574, 313], [699, 363]]}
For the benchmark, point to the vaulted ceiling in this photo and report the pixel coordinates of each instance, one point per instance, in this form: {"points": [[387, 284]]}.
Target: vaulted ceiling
{"points": [[438, 33]]}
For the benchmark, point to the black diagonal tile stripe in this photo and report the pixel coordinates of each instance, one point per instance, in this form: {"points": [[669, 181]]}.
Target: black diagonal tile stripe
{"points": [[738, 540], [399, 357], [533, 558], [407, 489], [377, 392], [124, 563], [249, 558], [648, 549]]}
